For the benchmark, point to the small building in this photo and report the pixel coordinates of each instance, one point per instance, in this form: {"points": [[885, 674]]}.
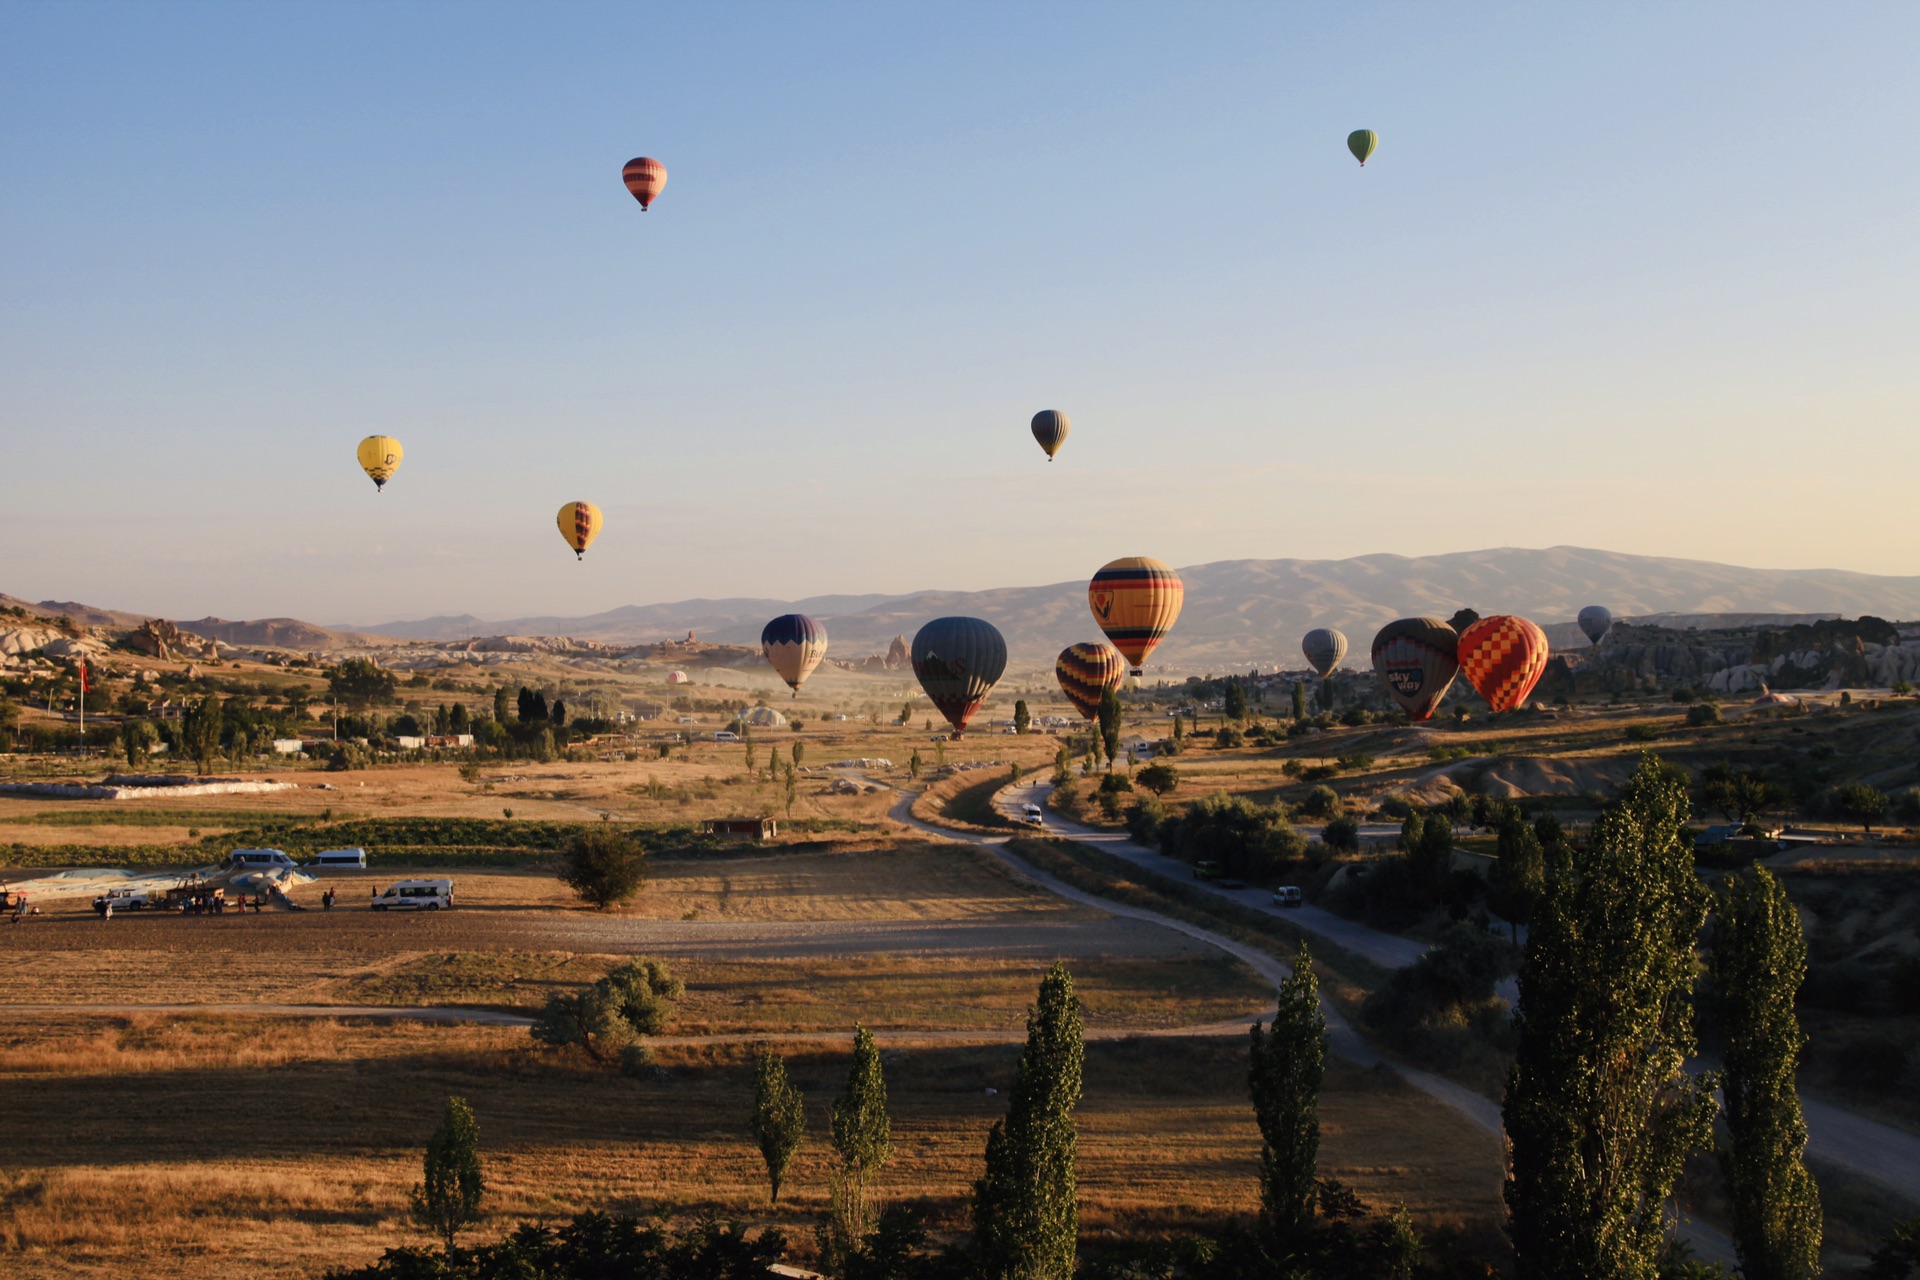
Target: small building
{"points": [[744, 829], [408, 742], [449, 741], [288, 746]]}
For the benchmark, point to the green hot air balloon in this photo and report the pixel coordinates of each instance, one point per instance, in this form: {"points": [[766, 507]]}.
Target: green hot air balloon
{"points": [[1362, 142]]}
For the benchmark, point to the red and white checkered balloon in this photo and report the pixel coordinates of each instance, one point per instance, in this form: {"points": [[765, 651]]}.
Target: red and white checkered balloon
{"points": [[1503, 657]]}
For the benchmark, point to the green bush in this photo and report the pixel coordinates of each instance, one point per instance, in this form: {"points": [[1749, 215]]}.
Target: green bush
{"points": [[611, 1018], [1249, 841], [1644, 732], [1321, 802], [1228, 736], [1161, 779], [603, 865], [1342, 835], [1703, 713]]}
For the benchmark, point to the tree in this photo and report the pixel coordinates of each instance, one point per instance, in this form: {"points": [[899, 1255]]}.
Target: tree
{"points": [[779, 1119], [1858, 802], [1022, 718], [452, 1184], [361, 683], [1737, 794], [1110, 719], [539, 707], [1600, 1114], [1026, 1215], [136, 739], [1518, 873], [603, 865], [1429, 843], [906, 712], [1284, 1069], [1755, 964], [1299, 701], [913, 764], [500, 704], [610, 1018], [792, 787], [200, 725], [1462, 619], [1161, 779], [559, 713], [799, 753], [1234, 704], [1342, 834], [862, 1143]]}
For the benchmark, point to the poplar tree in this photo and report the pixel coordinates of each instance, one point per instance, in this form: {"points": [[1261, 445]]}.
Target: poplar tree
{"points": [[862, 1142], [1600, 1114], [452, 1185], [1110, 717], [1284, 1070], [1299, 701], [779, 1119], [1022, 718], [1026, 1215], [1756, 962]]}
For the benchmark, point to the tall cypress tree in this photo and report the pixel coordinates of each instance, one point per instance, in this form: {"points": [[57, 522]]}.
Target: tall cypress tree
{"points": [[1284, 1071], [1600, 1114], [1110, 713], [1756, 962], [448, 1196], [862, 1142], [779, 1120], [1026, 1212]]}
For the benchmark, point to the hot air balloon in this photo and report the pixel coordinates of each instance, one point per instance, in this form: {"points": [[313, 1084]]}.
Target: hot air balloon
{"points": [[1050, 427], [579, 524], [1596, 620], [1135, 601], [1362, 142], [957, 661], [380, 458], [1087, 671], [645, 177], [1416, 659], [794, 644], [1503, 657], [1325, 648]]}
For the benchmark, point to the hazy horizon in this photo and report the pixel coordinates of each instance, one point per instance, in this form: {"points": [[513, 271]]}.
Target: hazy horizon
{"points": [[1638, 279]]}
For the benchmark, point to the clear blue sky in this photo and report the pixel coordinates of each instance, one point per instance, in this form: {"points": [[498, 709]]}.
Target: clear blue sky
{"points": [[1632, 276]]}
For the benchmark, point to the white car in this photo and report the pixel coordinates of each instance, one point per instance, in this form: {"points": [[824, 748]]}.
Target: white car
{"points": [[415, 895], [726, 735]]}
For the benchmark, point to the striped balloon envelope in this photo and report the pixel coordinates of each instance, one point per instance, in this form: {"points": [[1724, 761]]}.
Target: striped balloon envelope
{"points": [[579, 524], [1503, 657], [794, 644], [958, 661], [1050, 427], [1086, 671], [645, 178], [1416, 659], [1136, 602], [1325, 649]]}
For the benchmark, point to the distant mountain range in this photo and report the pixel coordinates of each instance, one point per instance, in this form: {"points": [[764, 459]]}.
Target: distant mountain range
{"points": [[1244, 612], [1239, 613]]}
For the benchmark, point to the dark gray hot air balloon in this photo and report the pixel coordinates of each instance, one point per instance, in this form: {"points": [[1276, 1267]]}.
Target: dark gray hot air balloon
{"points": [[1596, 620], [1416, 659], [957, 661], [1325, 648], [1050, 428]]}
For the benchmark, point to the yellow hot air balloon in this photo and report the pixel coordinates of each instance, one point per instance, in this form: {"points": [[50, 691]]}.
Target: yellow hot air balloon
{"points": [[1135, 601], [380, 458], [579, 525]]}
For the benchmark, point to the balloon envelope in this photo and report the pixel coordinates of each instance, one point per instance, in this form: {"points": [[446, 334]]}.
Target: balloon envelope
{"points": [[644, 178], [1086, 671], [1050, 427], [1362, 142], [380, 458], [1416, 659], [794, 644], [957, 661], [1503, 657], [1325, 649], [1596, 620], [1136, 601], [579, 524]]}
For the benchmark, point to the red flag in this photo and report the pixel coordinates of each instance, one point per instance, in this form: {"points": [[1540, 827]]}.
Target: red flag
{"points": [[83, 675]]}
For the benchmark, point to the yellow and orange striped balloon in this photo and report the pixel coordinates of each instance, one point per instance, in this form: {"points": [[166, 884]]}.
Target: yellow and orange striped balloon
{"points": [[1136, 602], [579, 524]]}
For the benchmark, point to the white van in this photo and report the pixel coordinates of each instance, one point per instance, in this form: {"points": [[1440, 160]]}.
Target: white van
{"points": [[1033, 813], [339, 858], [1287, 895], [727, 735], [415, 895], [260, 858]]}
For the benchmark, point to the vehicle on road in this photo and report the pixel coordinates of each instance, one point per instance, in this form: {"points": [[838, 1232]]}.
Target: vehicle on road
{"points": [[339, 858], [1206, 871], [726, 735], [260, 858], [1287, 895], [415, 895], [1034, 814], [127, 900]]}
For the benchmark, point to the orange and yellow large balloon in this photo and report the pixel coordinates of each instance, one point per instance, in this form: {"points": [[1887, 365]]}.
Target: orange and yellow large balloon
{"points": [[380, 458], [579, 525], [1136, 601]]}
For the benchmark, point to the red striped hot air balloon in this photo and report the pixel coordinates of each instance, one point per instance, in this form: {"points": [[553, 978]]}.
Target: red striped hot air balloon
{"points": [[1416, 659], [1503, 657], [1086, 671], [1136, 602], [645, 177]]}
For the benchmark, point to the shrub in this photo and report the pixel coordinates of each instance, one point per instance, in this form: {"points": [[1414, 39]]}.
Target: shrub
{"points": [[1643, 732], [1906, 805], [1703, 713], [1144, 818], [1394, 806], [603, 865], [1248, 841], [1115, 783], [610, 1018], [1321, 802], [1342, 835], [1436, 1004], [1228, 736], [1354, 717]]}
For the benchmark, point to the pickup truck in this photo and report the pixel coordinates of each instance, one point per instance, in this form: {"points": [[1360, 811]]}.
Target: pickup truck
{"points": [[125, 900]]}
